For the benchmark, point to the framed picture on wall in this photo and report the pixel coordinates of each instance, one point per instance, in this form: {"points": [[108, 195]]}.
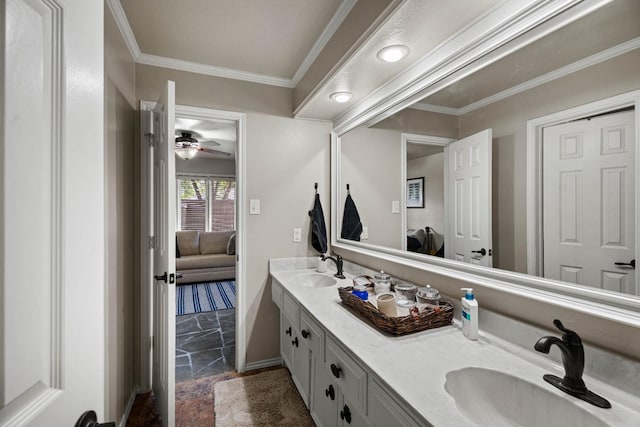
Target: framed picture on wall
{"points": [[415, 193]]}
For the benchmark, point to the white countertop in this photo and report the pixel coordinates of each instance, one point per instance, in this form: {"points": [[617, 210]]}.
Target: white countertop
{"points": [[415, 365]]}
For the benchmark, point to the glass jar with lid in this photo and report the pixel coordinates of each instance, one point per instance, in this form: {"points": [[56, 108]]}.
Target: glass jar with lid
{"points": [[428, 295], [381, 282], [405, 293]]}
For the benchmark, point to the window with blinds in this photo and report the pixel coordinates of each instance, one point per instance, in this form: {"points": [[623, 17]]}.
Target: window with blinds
{"points": [[206, 203]]}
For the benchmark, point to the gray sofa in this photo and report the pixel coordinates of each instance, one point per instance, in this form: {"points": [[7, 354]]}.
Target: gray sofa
{"points": [[205, 256]]}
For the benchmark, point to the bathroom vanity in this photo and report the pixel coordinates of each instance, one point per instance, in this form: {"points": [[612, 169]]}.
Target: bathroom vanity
{"points": [[349, 373]]}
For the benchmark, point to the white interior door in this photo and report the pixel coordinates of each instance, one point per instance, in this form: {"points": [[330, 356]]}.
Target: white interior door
{"points": [[52, 259], [164, 295], [589, 203], [469, 199]]}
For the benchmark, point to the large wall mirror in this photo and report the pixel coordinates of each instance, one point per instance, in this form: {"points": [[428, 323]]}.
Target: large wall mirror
{"points": [[553, 128]]}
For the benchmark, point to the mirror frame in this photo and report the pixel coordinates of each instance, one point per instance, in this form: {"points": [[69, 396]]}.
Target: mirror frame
{"points": [[400, 93]]}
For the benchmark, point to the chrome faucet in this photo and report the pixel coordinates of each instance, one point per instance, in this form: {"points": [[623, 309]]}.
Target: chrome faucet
{"points": [[573, 361], [339, 264]]}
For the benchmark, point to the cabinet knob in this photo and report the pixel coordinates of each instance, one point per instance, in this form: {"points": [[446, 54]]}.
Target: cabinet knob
{"points": [[305, 334], [295, 342], [345, 414], [288, 331], [335, 370], [330, 392]]}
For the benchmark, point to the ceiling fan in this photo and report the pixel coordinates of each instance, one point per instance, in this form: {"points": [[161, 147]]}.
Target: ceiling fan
{"points": [[187, 146]]}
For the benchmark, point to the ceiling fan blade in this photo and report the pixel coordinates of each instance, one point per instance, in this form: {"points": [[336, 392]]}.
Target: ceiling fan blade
{"points": [[210, 142], [215, 152]]}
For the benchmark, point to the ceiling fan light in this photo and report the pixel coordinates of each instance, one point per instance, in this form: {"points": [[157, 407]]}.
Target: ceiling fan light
{"points": [[393, 53], [341, 96], [186, 153]]}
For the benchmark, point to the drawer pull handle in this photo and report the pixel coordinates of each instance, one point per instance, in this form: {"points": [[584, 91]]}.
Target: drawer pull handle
{"points": [[305, 334], [295, 342], [335, 370], [330, 393], [345, 414], [288, 331]]}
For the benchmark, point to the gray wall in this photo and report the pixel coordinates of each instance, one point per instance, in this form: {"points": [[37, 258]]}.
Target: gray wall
{"points": [[122, 215], [284, 159], [371, 166], [432, 215]]}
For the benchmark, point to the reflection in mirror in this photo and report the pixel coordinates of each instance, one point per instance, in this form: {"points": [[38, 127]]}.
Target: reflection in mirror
{"points": [[562, 77]]}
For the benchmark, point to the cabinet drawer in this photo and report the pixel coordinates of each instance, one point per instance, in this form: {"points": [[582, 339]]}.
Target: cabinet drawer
{"points": [[313, 334], [350, 376], [292, 310], [276, 293]]}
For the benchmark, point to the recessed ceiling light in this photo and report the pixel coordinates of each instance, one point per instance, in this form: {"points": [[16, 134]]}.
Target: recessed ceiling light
{"points": [[341, 96], [393, 53]]}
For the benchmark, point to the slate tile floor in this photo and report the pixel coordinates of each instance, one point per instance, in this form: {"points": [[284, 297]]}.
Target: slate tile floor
{"points": [[205, 344]]}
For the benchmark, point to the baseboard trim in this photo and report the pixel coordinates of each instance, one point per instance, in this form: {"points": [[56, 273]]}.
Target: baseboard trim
{"points": [[127, 410], [263, 364]]}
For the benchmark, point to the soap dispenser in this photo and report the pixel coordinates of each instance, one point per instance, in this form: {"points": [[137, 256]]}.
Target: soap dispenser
{"points": [[469, 314]]}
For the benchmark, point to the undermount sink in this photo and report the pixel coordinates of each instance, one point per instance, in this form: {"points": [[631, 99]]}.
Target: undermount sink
{"points": [[315, 280], [493, 398]]}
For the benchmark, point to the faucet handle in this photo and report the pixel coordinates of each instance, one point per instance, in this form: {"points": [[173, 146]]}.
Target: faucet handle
{"points": [[568, 336]]}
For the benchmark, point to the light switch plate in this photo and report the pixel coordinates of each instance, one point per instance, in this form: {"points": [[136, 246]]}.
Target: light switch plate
{"points": [[254, 207], [365, 233], [297, 235], [395, 206]]}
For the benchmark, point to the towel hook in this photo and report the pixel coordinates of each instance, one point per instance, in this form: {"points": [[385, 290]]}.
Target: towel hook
{"points": [[347, 188], [315, 187]]}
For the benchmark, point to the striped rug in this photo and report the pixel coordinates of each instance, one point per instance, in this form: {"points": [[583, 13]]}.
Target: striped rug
{"points": [[200, 297]]}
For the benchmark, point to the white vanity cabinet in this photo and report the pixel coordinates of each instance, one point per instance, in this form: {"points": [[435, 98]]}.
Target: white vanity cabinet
{"points": [[335, 386], [301, 339]]}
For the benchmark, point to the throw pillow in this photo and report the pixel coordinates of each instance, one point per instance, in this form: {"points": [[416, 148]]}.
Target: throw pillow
{"points": [[231, 245], [189, 242], [214, 242]]}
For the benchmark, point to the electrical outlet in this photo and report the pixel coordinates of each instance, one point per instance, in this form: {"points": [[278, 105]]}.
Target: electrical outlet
{"points": [[395, 207], [297, 235], [254, 207], [365, 233]]}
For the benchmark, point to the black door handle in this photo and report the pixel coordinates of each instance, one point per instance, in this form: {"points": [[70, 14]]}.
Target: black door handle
{"points": [[288, 331], [163, 277], [90, 419], [335, 370], [295, 342], [631, 264], [482, 252], [305, 334]]}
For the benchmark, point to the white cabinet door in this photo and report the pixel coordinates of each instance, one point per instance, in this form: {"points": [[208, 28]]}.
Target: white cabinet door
{"points": [[348, 414], [385, 410], [301, 372], [324, 407], [286, 335]]}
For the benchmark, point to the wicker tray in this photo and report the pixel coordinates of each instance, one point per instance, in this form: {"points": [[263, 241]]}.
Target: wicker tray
{"points": [[404, 325]]}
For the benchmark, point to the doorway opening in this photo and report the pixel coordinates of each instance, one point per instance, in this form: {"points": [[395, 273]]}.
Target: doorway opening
{"points": [[207, 226]]}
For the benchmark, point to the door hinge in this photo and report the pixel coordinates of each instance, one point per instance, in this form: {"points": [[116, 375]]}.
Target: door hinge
{"points": [[152, 242], [151, 140]]}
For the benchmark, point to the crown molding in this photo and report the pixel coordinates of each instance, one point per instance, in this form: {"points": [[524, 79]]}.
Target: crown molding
{"points": [[485, 41], [324, 38], [211, 70], [125, 29], [574, 67]]}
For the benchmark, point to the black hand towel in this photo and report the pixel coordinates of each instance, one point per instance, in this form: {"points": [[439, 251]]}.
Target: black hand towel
{"points": [[318, 227], [351, 225]]}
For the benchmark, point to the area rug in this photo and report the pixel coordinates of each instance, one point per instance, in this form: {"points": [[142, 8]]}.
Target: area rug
{"points": [[266, 399], [201, 297]]}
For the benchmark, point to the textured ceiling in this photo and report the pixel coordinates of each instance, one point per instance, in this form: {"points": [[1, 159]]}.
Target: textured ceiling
{"points": [[268, 37]]}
